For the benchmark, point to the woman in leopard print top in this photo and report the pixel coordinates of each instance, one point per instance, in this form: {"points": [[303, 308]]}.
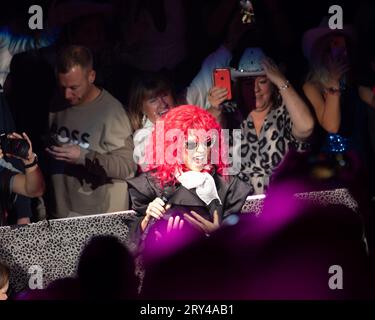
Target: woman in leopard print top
{"points": [[275, 118]]}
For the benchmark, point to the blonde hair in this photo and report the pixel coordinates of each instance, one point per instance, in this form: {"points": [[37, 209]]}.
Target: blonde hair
{"points": [[318, 72], [318, 75]]}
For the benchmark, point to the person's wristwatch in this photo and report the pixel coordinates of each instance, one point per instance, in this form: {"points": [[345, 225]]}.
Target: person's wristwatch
{"points": [[32, 164]]}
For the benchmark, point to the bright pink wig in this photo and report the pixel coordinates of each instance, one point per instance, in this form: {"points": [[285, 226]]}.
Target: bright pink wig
{"points": [[184, 118]]}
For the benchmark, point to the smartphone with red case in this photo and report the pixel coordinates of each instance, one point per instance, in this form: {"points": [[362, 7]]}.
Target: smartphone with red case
{"points": [[222, 79]]}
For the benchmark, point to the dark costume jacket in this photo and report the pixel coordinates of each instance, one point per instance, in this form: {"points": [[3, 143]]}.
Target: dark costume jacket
{"points": [[145, 188]]}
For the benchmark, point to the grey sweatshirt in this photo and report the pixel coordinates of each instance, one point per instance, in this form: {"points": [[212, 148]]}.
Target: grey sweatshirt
{"points": [[96, 183]]}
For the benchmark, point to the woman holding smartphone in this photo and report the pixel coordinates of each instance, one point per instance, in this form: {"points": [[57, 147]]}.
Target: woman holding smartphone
{"points": [[271, 115], [331, 90], [275, 118]]}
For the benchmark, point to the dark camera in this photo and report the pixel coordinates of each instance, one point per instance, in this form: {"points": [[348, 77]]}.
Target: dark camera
{"points": [[15, 147]]}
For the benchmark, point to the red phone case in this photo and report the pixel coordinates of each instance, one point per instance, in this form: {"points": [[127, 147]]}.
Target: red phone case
{"points": [[222, 79]]}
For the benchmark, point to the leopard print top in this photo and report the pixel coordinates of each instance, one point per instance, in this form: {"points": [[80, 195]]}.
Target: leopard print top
{"points": [[260, 156]]}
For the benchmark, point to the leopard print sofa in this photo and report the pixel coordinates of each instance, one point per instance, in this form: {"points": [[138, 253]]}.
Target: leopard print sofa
{"points": [[342, 196], [55, 245]]}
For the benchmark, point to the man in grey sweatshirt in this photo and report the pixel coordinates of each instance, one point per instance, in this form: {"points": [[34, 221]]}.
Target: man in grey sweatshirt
{"points": [[93, 152]]}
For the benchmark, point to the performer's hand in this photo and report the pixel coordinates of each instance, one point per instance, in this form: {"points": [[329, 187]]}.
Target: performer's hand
{"points": [[174, 224], [155, 209], [201, 223]]}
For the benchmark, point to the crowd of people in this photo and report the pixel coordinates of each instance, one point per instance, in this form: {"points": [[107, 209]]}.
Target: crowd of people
{"points": [[123, 113]]}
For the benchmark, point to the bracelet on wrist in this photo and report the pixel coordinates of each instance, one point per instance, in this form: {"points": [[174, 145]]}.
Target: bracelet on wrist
{"points": [[32, 164], [284, 86], [333, 91]]}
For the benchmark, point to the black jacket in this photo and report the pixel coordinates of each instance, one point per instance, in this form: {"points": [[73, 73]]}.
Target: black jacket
{"points": [[144, 189]]}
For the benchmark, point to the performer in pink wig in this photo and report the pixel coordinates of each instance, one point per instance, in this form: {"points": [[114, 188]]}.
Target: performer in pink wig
{"points": [[187, 178]]}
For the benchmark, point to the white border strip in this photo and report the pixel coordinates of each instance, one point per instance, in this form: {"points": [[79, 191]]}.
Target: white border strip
{"points": [[93, 215], [256, 197]]}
